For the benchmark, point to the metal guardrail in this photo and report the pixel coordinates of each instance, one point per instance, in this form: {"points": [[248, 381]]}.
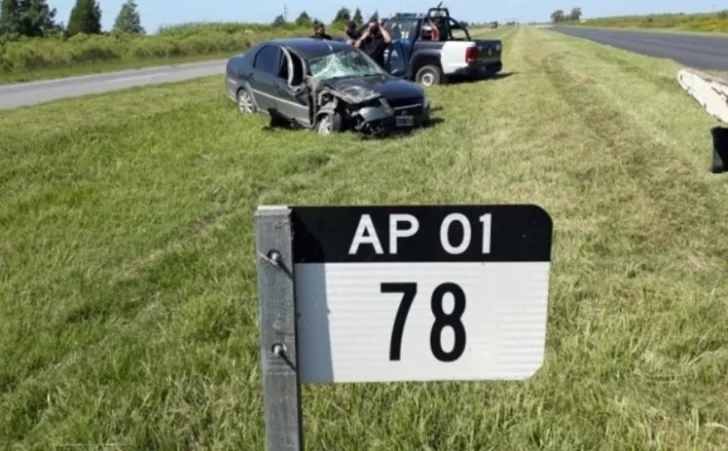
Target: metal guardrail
{"points": [[711, 92]]}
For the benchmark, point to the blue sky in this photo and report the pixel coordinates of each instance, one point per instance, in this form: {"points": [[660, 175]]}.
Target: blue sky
{"points": [[160, 12]]}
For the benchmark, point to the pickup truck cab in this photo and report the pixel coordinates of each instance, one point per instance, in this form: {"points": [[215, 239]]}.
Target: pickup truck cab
{"points": [[414, 54]]}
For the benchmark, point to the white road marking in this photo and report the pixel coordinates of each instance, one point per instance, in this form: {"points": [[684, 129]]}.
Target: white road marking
{"points": [[135, 77]]}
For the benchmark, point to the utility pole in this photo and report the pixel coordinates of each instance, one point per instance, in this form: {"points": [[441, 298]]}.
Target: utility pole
{"points": [[285, 13]]}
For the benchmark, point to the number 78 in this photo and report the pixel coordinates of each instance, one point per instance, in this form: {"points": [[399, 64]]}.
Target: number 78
{"points": [[442, 319]]}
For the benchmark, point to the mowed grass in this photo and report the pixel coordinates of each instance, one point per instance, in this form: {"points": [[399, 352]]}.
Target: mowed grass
{"points": [[128, 309]]}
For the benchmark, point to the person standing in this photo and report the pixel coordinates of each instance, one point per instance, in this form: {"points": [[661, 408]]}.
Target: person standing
{"points": [[374, 41], [319, 31], [352, 33], [435, 28]]}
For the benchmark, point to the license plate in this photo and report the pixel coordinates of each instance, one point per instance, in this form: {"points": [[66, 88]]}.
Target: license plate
{"points": [[404, 121]]}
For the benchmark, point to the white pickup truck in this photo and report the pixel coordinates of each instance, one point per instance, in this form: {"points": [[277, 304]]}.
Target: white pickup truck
{"points": [[415, 55]]}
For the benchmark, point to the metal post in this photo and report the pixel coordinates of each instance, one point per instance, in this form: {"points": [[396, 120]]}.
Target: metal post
{"points": [[281, 386]]}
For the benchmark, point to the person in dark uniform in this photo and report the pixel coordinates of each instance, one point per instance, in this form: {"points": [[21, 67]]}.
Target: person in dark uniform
{"points": [[319, 31], [374, 41], [352, 33]]}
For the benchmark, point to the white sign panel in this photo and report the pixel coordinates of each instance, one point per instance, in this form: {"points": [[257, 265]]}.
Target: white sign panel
{"points": [[421, 293]]}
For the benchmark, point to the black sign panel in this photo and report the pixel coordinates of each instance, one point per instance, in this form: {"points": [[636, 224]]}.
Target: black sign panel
{"points": [[421, 233]]}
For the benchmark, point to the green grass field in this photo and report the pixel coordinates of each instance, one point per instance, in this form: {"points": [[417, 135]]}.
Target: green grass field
{"points": [[710, 22], [128, 304], [653, 30], [48, 58]]}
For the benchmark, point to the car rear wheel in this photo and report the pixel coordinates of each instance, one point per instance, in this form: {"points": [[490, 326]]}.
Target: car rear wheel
{"points": [[328, 123], [246, 105], [429, 75]]}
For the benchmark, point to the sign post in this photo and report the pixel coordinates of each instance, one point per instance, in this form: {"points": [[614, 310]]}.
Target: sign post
{"points": [[279, 356], [397, 293]]}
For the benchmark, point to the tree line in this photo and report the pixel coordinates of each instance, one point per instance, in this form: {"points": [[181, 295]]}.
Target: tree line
{"points": [[560, 16], [35, 18], [343, 16]]}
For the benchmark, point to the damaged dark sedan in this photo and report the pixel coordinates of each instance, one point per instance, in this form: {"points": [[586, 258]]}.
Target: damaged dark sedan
{"points": [[327, 86]]}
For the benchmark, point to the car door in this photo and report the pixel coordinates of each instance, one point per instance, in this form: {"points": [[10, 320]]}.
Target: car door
{"points": [[397, 55], [263, 79], [405, 32], [292, 95]]}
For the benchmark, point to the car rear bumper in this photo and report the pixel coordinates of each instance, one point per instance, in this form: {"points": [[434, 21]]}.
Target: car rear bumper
{"points": [[479, 69]]}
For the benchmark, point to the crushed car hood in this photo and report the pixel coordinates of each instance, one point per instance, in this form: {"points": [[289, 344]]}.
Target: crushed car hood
{"points": [[363, 89]]}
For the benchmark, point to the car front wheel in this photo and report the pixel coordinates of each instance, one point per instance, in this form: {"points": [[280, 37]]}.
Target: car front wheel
{"points": [[328, 123], [246, 105]]}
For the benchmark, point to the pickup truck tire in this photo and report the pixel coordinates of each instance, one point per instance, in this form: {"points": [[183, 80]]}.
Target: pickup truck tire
{"points": [[429, 75]]}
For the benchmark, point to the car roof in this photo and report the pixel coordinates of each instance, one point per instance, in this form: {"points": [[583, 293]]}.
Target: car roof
{"points": [[311, 48]]}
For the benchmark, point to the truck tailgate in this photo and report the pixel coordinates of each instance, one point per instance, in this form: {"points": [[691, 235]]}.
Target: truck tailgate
{"points": [[489, 51]]}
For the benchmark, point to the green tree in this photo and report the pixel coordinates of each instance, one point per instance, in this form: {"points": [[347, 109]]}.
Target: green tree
{"points": [[575, 14], [304, 20], [36, 18], [128, 20], [279, 21], [32, 18], [85, 18], [9, 16], [557, 16], [374, 16], [342, 16], [357, 16]]}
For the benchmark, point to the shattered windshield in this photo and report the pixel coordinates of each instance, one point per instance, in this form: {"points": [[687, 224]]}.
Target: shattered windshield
{"points": [[346, 64]]}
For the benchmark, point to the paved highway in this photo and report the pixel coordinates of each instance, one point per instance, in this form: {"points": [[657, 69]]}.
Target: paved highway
{"points": [[23, 94], [700, 52]]}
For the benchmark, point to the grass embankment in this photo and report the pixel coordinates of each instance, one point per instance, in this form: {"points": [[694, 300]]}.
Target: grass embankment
{"points": [[706, 22], [43, 58], [128, 305]]}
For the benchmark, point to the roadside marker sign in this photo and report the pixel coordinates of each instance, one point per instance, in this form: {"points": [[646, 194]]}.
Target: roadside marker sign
{"points": [[397, 293]]}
